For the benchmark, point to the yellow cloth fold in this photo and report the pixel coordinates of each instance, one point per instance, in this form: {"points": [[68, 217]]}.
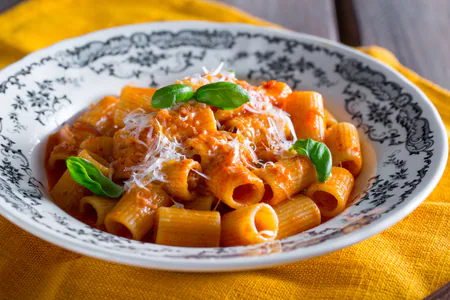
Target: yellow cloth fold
{"points": [[408, 261]]}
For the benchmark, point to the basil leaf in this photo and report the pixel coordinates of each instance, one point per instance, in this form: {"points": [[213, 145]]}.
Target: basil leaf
{"points": [[318, 153], [169, 95], [86, 174], [224, 95]]}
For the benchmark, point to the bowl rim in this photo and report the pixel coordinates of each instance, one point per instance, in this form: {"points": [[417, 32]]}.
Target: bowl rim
{"points": [[256, 262]]}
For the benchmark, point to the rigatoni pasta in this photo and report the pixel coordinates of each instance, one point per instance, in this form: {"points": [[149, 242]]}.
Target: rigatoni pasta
{"points": [[101, 145], [187, 228], [67, 193], [307, 114], [331, 196], [285, 178], [95, 208], [182, 177], [330, 120], [295, 215], [131, 99], [101, 116], [345, 147], [134, 215], [236, 186], [201, 203], [250, 225], [206, 162]]}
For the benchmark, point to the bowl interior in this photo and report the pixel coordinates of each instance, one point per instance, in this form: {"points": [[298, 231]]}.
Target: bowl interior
{"points": [[402, 135]]}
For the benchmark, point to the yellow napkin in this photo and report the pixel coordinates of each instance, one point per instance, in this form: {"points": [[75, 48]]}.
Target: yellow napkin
{"points": [[409, 260]]}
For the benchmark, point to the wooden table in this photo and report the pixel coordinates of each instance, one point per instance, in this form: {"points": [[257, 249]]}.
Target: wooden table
{"points": [[416, 31]]}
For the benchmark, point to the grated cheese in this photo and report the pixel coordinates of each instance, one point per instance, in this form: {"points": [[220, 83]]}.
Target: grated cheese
{"points": [[162, 148], [267, 233], [201, 174]]}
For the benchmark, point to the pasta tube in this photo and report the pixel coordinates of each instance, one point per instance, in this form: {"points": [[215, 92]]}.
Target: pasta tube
{"points": [[187, 228], [343, 141], [277, 91], [307, 114], [250, 225], [132, 98], [101, 145], [255, 128], [330, 120], [134, 214], [296, 215], [201, 203], [182, 177], [285, 178], [128, 151], [67, 193], [235, 185], [58, 157], [95, 208], [101, 115], [332, 195], [97, 161]]}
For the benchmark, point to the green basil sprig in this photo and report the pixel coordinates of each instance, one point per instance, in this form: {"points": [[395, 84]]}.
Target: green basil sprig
{"points": [[169, 95], [318, 153], [224, 95], [86, 174]]}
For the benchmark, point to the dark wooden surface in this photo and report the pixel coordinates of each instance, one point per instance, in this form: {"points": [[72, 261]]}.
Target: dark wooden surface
{"points": [[309, 16], [6, 4], [417, 31]]}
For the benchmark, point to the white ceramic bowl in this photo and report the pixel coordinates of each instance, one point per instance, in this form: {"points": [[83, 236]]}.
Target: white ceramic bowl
{"points": [[404, 139]]}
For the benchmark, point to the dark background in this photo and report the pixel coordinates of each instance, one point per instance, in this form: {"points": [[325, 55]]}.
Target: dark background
{"points": [[417, 31]]}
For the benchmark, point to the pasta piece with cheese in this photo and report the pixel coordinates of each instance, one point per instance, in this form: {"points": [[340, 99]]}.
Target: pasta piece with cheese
{"points": [[132, 98], [211, 147], [235, 185], [256, 128], [67, 193], [101, 116], [135, 213], [95, 208], [343, 142], [307, 114], [330, 120], [201, 203], [250, 225], [128, 151], [277, 91], [285, 178], [181, 178], [222, 115], [101, 145], [187, 228], [296, 215], [332, 195], [187, 120]]}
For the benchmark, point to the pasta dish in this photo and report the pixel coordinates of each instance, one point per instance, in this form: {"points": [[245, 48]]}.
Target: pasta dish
{"points": [[208, 161]]}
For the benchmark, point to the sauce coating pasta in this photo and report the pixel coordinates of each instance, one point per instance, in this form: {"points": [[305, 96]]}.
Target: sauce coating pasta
{"points": [[206, 169]]}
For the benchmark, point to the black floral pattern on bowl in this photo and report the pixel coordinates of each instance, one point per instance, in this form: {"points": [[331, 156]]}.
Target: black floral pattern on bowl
{"points": [[381, 108]]}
